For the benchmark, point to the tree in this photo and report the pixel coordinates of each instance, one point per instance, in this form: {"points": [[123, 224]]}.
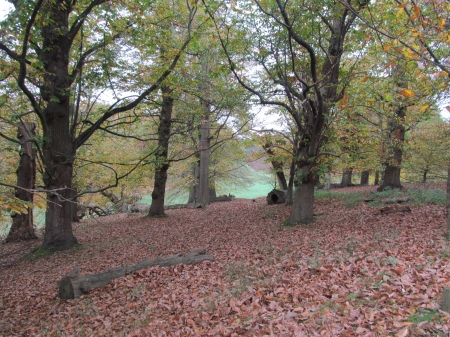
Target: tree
{"points": [[297, 72], [162, 163], [419, 30], [427, 150], [22, 227], [52, 50]]}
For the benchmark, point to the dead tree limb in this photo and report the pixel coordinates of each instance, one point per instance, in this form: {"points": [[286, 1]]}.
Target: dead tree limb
{"points": [[73, 285], [394, 209]]}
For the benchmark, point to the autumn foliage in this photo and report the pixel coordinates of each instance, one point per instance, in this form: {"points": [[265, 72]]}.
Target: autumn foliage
{"points": [[351, 273]]}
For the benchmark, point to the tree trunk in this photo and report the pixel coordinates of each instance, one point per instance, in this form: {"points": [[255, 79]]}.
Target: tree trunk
{"points": [[205, 152], [327, 181], [424, 176], [58, 147], [74, 285], [448, 203], [347, 178], [365, 178], [193, 192], [396, 138], [159, 187], [277, 166], [290, 190], [22, 224], [75, 215], [377, 178], [303, 206]]}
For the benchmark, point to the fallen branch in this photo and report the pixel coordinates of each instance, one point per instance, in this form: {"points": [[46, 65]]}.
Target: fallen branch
{"points": [[389, 201], [394, 209], [73, 285]]}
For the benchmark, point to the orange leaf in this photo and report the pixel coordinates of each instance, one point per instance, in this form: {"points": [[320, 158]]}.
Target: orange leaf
{"points": [[408, 93]]}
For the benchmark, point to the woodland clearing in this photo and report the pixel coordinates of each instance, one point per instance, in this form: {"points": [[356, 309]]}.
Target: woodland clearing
{"points": [[350, 273]]}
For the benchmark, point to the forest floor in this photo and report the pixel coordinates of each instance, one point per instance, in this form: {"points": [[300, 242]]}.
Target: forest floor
{"points": [[353, 272]]}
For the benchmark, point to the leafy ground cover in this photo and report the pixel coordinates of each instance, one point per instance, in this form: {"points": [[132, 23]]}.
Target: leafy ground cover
{"points": [[351, 273]]}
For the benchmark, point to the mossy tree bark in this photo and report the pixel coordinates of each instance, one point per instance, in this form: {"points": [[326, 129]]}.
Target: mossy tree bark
{"points": [[160, 179], [22, 227]]}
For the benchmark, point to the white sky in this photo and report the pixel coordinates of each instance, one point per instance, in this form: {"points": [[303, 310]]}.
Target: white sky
{"points": [[5, 7]]}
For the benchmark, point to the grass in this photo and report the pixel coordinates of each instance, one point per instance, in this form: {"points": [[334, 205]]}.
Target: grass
{"points": [[415, 196], [425, 315]]}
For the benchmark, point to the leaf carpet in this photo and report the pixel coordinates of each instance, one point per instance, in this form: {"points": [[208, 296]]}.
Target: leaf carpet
{"points": [[351, 273]]}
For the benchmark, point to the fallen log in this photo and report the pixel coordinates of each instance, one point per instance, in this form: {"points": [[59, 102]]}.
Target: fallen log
{"points": [[389, 201], [222, 198], [394, 209], [276, 197], [73, 285]]}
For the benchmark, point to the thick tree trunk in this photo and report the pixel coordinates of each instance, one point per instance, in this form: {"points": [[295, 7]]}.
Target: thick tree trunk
{"points": [[365, 177], [391, 176], [395, 140], [303, 207], [448, 203], [74, 285], [22, 224], [75, 215], [347, 178], [164, 129], [205, 153], [58, 147]]}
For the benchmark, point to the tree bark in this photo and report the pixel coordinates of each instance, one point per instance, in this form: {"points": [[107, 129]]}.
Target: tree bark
{"points": [[276, 197], [290, 190], [365, 178], [58, 147], [377, 178], [164, 129], [74, 285], [22, 223], [396, 138], [277, 166], [448, 203], [303, 207], [193, 192], [203, 197], [424, 176], [347, 178], [327, 181]]}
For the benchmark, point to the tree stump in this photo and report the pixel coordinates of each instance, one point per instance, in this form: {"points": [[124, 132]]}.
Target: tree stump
{"points": [[276, 197], [446, 300], [73, 285]]}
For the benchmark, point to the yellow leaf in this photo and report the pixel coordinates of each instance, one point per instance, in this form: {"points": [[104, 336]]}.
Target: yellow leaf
{"points": [[408, 93], [400, 12], [441, 23], [425, 107]]}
